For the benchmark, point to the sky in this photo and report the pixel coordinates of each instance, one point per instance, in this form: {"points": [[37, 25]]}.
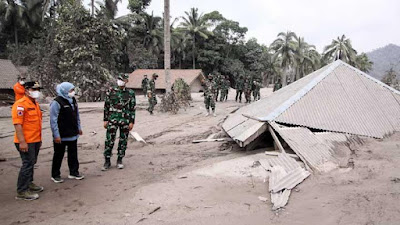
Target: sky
{"points": [[370, 24]]}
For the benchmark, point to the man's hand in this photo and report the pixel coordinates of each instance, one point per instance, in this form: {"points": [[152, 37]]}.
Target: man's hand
{"points": [[23, 147], [149, 95], [105, 124], [57, 140], [80, 132], [131, 126]]}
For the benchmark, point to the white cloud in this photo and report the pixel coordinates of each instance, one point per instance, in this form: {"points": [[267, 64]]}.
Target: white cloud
{"points": [[369, 24]]}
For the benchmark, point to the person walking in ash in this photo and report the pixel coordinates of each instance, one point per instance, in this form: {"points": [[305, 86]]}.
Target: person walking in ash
{"points": [[19, 89], [239, 88], [65, 125], [27, 120], [145, 83], [151, 93], [209, 91], [119, 113]]}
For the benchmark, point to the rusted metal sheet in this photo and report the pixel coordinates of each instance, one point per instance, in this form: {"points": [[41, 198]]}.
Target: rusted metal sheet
{"points": [[308, 147]]}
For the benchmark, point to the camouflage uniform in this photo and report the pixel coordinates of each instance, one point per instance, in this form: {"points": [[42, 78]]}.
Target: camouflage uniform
{"points": [[247, 89], [145, 83], [119, 111], [217, 85], [225, 84], [239, 88], [277, 85], [209, 91], [256, 89], [151, 93]]}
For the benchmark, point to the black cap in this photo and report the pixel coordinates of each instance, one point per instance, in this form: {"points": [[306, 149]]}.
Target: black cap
{"points": [[32, 84]]}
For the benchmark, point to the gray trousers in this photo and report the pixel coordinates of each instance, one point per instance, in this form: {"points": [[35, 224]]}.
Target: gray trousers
{"points": [[29, 159]]}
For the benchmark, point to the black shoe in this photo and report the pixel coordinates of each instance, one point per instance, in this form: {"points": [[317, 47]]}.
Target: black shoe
{"points": [[119, 163], [107, 164]]}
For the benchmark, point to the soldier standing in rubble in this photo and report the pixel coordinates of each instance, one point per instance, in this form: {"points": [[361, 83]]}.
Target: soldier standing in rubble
{"points": [[145, 83], [217, 85], [225, 84], [151, 93], [119, 113], [256, 89], [247, 89], [209, 91], [239, 88]]}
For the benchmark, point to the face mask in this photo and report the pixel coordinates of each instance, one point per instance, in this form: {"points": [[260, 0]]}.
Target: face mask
{"points": [[71, 94], [34, 94], [120, 83], [21, 82]]}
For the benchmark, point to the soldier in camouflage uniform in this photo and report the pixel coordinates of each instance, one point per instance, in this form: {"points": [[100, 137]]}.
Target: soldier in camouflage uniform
{"points": [[145, 83], [209, 91], [151, 93], [225, 84], [247, 89], [256, 89], [239, 88], [217, 85], [119, 113]]}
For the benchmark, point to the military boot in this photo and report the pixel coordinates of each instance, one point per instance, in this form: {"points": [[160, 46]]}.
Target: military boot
{"points": [[208, 112], [214, 114], [107, 164], [119, 163]]}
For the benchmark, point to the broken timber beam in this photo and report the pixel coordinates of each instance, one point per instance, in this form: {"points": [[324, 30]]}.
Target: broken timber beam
{"points": [[276, 139], [212, 140], [277, 153]]}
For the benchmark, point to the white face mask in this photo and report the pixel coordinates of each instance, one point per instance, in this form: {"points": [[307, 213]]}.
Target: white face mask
{"points": [[34, 94], [120, 83], [21, 82], [71, 94]]}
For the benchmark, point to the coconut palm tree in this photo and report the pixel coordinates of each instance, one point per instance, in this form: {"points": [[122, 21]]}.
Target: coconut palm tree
{"points": [[363, 63], [195, 26], [307, 58], [167, 46], [285, 49], [15, 18], [342, 49], [153, 38]]}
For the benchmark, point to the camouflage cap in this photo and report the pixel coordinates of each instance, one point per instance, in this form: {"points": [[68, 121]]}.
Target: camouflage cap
{"points": [[123, 76]]}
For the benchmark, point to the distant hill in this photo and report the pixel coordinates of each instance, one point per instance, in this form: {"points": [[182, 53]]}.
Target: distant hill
{"points": [[384, 58]]}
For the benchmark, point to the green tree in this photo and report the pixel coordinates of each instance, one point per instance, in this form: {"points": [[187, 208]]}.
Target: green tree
{"points": [[195, 26], [307, 58], [391, 79], [363, 63], [137, 6], [153, 38], [285, 49], [342, 49]]}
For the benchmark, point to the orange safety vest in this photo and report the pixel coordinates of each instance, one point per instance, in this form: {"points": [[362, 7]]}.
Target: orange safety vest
{"points": [[28, 114]]}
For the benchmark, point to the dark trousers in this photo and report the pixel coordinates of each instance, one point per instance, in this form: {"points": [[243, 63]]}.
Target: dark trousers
{"points": [[59, 150], [29, 159], [239, 95]]}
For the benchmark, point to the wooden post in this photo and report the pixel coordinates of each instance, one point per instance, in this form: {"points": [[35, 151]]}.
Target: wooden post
{"points": [[276, 139]]}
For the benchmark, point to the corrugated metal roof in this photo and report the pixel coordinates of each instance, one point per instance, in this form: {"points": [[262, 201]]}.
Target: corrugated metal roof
{"points": [[343, 103], [135, 78], [308, 147], [280, 199], [8, 74], [336, 98], [284, 161], [237, 125], [290, 180], [331, 139]]}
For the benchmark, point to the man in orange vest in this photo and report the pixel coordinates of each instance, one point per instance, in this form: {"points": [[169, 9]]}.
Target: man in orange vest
{"points": [[19, 89], [27, 120]]}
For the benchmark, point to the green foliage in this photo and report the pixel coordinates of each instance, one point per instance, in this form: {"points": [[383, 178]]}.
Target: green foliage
{"points": [[391, 79], [179, 98], [137, 6]]}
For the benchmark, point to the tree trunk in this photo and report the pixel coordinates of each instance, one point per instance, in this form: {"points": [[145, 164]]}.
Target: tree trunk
{"points": [[194, 51], [92, 8], [16, 36], [167, 46]]}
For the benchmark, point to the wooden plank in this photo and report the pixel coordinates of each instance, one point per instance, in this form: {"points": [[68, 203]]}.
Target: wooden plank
{"points": [[276, 139], [212, 140]]}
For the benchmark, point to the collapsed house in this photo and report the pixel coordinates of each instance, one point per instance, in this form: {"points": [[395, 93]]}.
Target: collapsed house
{"points": [[311, 114]]}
